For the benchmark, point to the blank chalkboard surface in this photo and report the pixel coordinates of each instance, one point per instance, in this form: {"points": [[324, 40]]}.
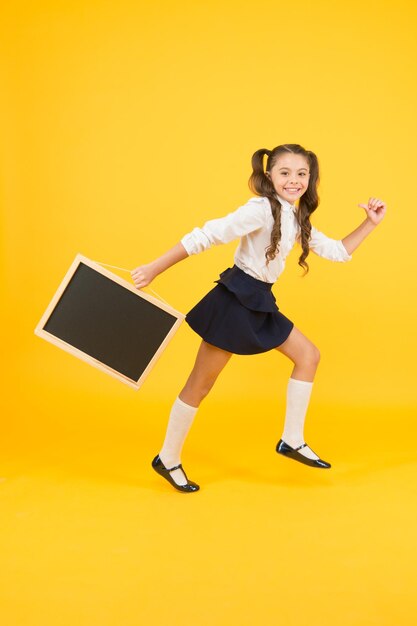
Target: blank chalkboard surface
{"points": [[106, 321]]}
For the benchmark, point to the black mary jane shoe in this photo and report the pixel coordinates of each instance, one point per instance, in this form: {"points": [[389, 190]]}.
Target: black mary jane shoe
{"points": [[165, 472], [292, 453]]}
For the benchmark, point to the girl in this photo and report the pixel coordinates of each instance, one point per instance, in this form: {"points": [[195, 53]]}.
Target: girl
{"points": [[240, 315]]}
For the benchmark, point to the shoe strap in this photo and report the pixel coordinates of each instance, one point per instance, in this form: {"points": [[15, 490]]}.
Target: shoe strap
{"points": [[174, 468], [299, 447], [183, 471], [171, 469]]}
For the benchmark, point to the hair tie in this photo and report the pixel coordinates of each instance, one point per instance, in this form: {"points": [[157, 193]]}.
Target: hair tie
{"points": [[267, 153]]}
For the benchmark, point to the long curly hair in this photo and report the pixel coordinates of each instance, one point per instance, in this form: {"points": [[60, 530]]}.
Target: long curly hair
{"points": [[261, 185]]}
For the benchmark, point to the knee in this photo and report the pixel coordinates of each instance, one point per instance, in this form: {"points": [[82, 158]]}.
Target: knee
{"points": [[312, 356]]}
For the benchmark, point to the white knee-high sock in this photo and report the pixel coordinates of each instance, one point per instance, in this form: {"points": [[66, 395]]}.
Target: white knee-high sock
{"points": [[179, 424], [298, 398]]}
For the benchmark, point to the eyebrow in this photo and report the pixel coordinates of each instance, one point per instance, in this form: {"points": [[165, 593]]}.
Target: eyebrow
{"points": [[287, 168]]}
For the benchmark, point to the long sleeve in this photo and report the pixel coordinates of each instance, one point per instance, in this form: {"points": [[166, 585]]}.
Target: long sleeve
{"points": [[328, 248], [244, 220]]}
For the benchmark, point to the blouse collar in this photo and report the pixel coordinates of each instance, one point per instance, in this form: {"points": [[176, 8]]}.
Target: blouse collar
{"points": [[285, 205]]}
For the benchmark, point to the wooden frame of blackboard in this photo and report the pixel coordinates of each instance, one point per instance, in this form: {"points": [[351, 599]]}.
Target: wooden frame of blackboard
{"points": [[44, 334]]}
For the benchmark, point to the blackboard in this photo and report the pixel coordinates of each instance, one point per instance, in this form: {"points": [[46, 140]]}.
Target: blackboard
{"points": [[104, 320]]}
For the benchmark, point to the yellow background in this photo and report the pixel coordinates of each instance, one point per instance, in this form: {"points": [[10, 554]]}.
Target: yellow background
{"points": [[123, 126]]}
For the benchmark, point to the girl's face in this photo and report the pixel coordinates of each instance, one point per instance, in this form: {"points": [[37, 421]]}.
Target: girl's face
{"points": [[290, 176]]}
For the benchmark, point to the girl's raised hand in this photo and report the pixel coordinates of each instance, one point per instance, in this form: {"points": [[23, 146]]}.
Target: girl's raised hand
{"points": [[375, 210], [142, 275]]}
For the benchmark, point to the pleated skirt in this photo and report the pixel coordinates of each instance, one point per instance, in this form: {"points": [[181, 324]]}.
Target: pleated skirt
{"points": [[240, 315]]}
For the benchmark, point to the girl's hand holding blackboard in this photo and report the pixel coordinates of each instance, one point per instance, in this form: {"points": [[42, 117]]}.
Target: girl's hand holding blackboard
{"points": [[143, 275]]}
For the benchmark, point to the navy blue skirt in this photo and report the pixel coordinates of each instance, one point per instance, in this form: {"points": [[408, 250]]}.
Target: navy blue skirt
{"points": [[240, 315]]}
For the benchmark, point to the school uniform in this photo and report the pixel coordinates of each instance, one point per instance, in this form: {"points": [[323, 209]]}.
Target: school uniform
{"points": [[240, 313]]}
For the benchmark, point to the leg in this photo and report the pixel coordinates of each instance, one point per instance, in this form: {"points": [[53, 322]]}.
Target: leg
{"points": [[305, 356], [209, 362], [303, 353]]}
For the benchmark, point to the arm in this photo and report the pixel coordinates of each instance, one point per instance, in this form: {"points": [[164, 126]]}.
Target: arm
{"points": [[341, 249], [245, 219], [352, 241], [144, 274], [326, 247], [375, 211]]}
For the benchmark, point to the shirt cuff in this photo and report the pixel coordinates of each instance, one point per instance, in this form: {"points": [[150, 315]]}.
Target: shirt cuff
{"points": [[345, 256], [187, 242]]}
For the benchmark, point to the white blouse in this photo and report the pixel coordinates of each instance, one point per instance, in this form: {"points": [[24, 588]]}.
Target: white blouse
{"points": [[253, 223]]}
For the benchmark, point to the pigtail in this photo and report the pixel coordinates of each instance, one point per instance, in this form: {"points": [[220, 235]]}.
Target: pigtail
{"points": [[261, 184], [308, 203]]}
